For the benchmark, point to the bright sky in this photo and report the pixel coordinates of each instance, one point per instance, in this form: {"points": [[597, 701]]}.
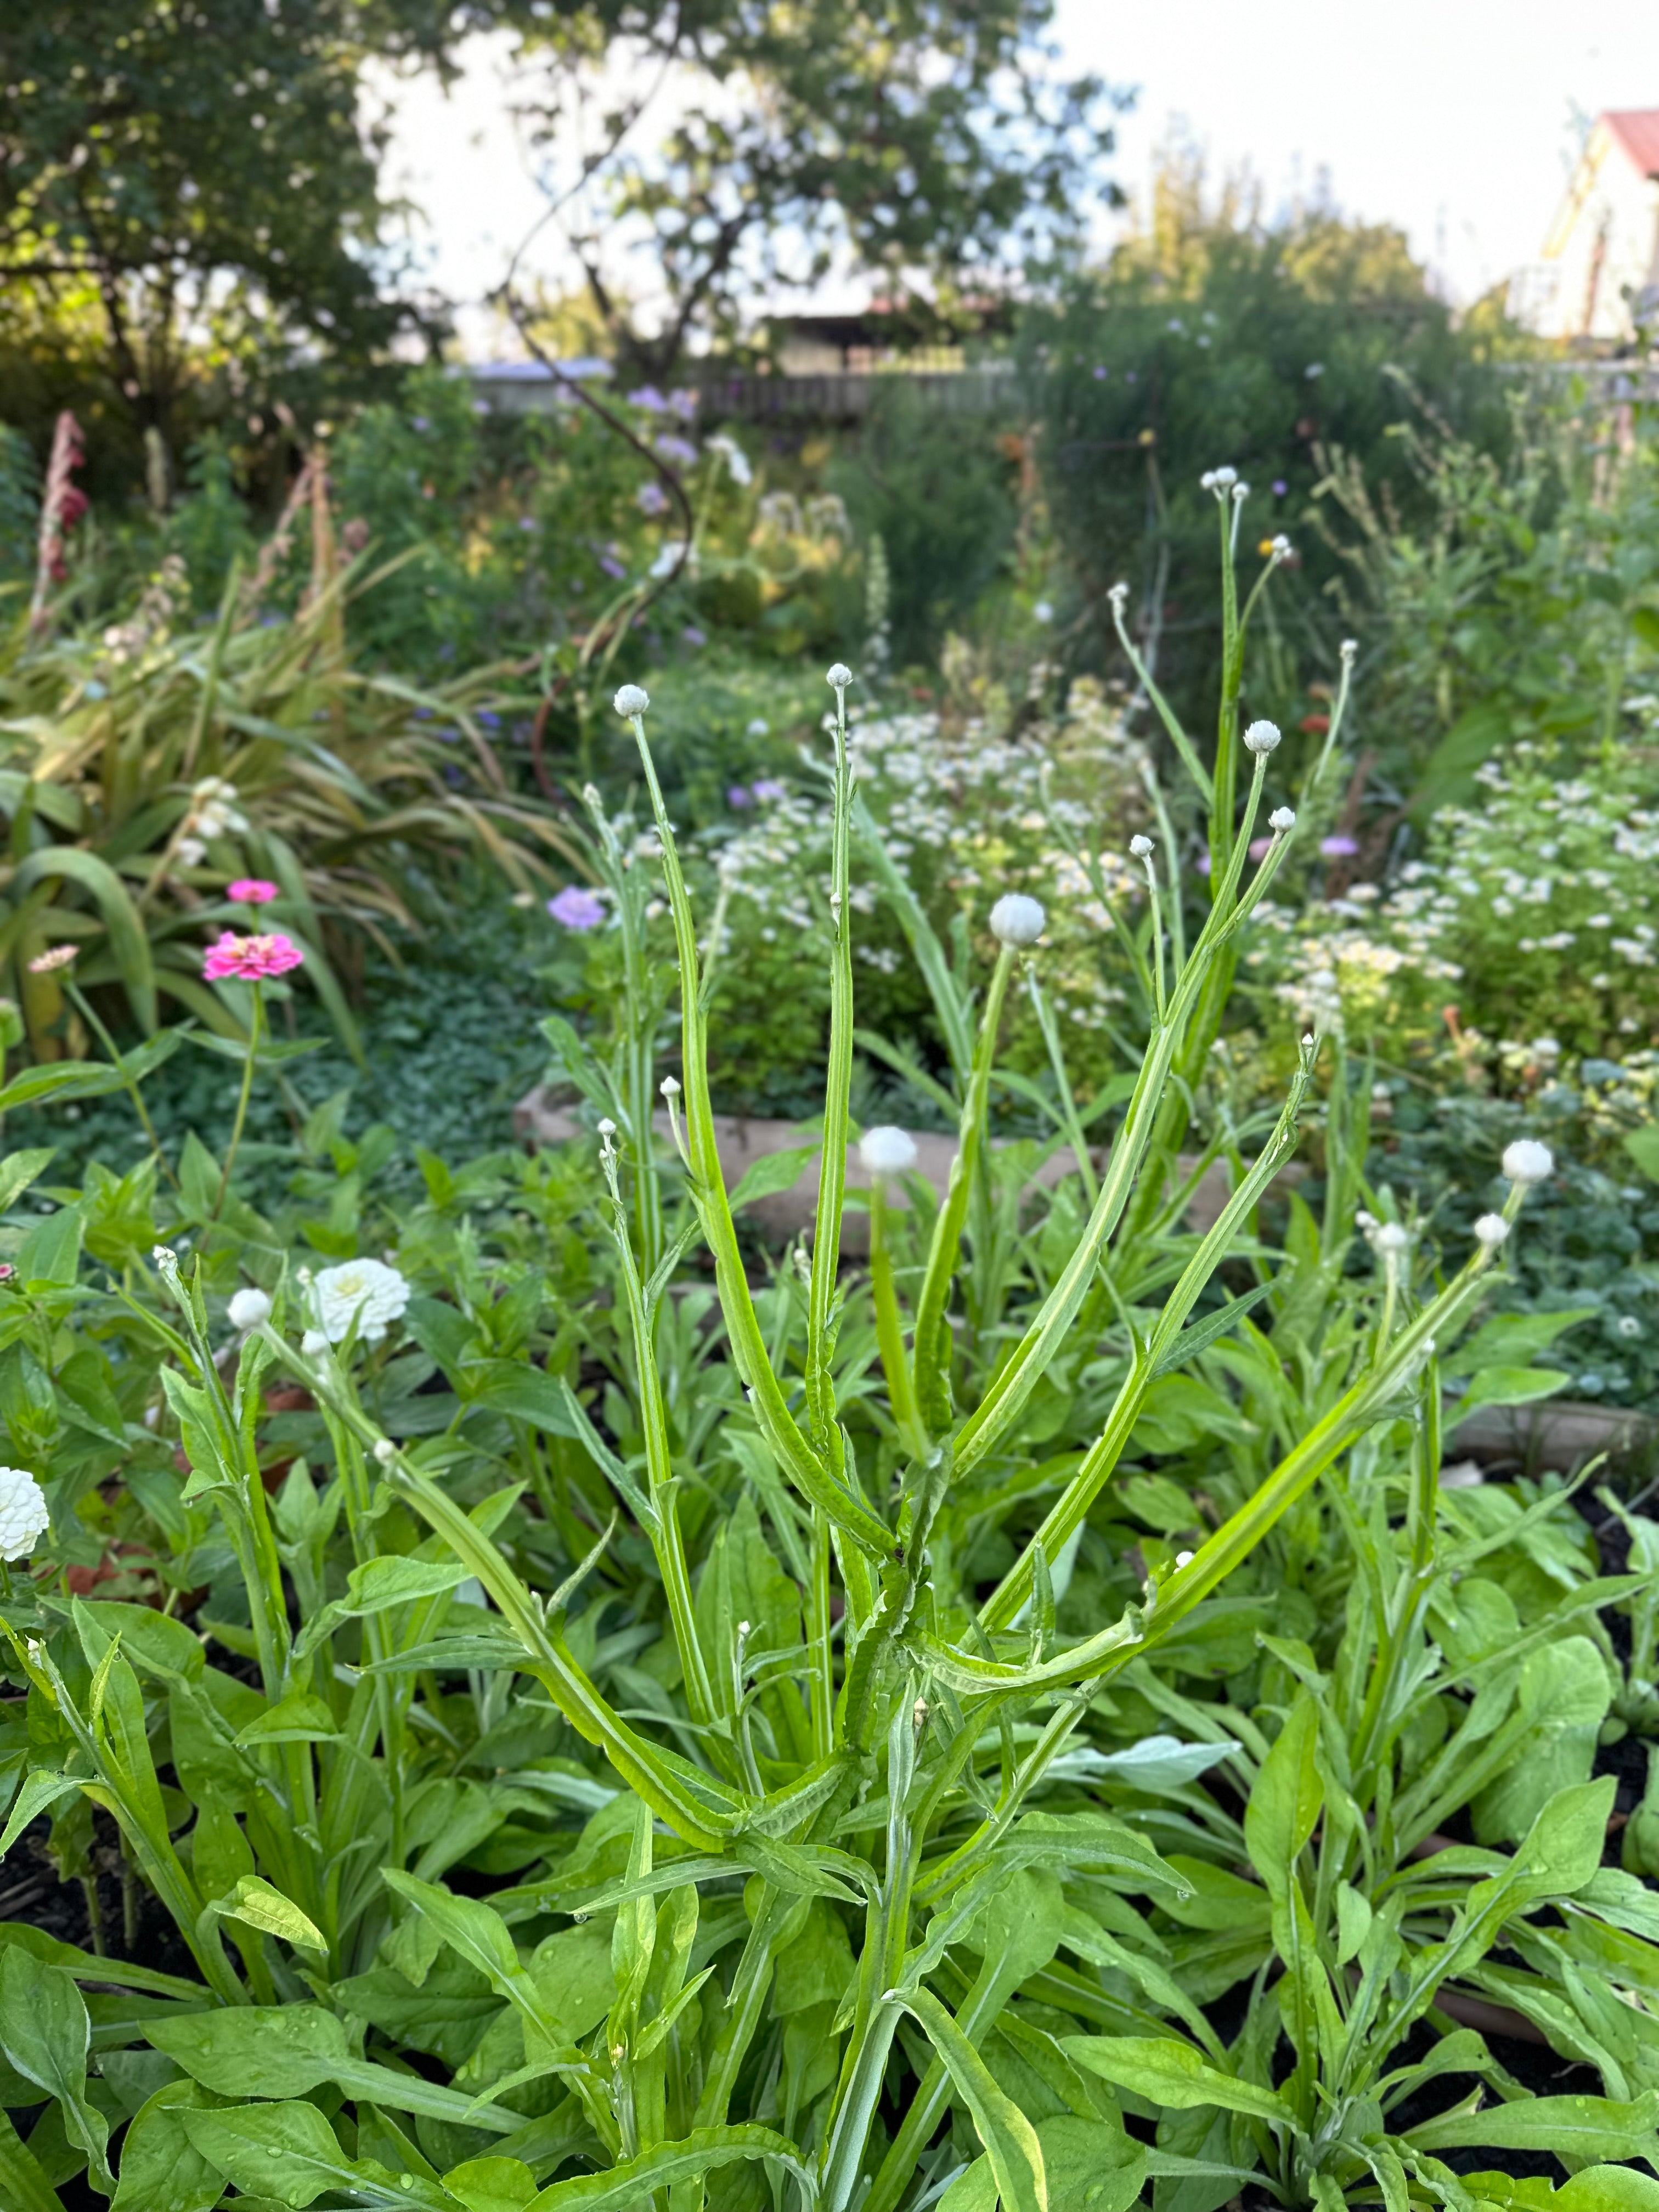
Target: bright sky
{"points": [[1453, 119]]}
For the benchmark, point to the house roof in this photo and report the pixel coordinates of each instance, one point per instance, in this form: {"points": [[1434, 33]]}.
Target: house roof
{"points": [[1636, 129]]}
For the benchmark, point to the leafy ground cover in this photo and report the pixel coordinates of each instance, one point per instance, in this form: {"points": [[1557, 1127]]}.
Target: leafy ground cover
{"points": [[545, 1708]]}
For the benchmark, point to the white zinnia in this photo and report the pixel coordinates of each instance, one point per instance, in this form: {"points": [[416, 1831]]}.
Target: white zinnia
{"points": [[1016, 920], [1490, 1230], [1263, 737], [366, 1292], [633, 699], [1528, 1160], [23, 1516], [247, 1309], [887, 1151]]}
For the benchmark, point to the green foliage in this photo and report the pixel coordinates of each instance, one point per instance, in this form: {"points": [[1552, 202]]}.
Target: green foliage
{"points": [[619, 1721]]}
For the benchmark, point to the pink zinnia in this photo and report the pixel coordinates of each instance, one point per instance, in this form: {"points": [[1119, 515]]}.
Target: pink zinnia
{"points": [[251, 891], [250, 958]]}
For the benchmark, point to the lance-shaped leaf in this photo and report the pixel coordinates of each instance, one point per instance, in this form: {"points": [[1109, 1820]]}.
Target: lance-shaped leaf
{"points": [[1010, 2140], [46, 2034], [1169, 2072], [705, 2150], [289, 2153]]}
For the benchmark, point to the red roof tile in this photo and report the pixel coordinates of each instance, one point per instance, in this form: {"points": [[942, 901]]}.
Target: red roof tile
{"points": [[1636, 129]]}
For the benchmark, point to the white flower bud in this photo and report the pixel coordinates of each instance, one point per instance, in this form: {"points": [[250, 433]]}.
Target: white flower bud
{"points": [[1490, 1230], [669, 1087], [1282, 818], [247, 1309], [1119, 597], [313, 1342], [385, 1450], [23, 1516], [633, 699], [167, 1261], [1241, 493], [1263, 737], [839, 676], [1016, 920], [1392, 1236], [1142, 847], [1528, 1160], [1348, 649], [1281, 547], [887, 1151]]}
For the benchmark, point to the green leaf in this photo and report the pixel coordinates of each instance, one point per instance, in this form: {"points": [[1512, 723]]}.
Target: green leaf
{"points": [[492, 2185], [1169, 2072], [774, 1172], [1505, 1386], [628, 2186], [1569, 2127], [300, 1717], [59, 1080], [1285, 1803], [41, 1789], [255, 1904], [1011, 2142], [289, 2153], [162, 2170], [1608, 2189], [46, 2034], [19, 1169], [23, 2186], [376, 1586], [1091, 2166], [1642, 1145], [974, 2189]]}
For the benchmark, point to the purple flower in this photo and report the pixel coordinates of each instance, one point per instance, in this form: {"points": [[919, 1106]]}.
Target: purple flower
{"points": [[1259, 847], [740, 797], [680, 451], [1201, 864], [419, 422], [487, 720], [611, 566], [1100, 376], [423, 713], [651, 499], [1279, 486], [693, 636], [527, 522], [576, 909], [767, 788], [684, 404], [1339, 848], [651, 399]]}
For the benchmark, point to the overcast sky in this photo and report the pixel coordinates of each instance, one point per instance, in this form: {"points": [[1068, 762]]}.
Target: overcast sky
{"points": [[1454, 118]]}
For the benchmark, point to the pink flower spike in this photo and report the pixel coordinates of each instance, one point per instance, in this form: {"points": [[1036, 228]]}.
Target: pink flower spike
{"points": [[249, 959], [251, 891]]}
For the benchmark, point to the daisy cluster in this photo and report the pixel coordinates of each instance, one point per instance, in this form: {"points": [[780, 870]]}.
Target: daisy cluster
{"points": [[1534, 908]]}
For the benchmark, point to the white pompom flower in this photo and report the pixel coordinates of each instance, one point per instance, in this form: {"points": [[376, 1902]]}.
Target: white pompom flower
{"points": [[1282, 818], [633, 699], [366, 1292], [1263, 737], [887, 1151], [1528, 1160], [1490, 1230], [1017, 919], [23, 1516], [248, 1309], [1141, 848], [838, 676]]}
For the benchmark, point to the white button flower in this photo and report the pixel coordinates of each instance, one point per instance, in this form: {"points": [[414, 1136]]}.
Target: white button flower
{"points": [[838, 676], [1490, 1230], [1141, 848], [366, 1292], [1261, 737], [247, 1309], [887, 1151], [1528, 1160], [23, 1516], [1282, 818], [633, 699], [1016, 920]]}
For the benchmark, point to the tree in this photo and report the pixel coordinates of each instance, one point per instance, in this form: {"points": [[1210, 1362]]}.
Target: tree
{"points": [[192, 177], [922, 139]]}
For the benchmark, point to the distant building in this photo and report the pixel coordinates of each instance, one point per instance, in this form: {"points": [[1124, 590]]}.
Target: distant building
{"points": [[1599, 275]]}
